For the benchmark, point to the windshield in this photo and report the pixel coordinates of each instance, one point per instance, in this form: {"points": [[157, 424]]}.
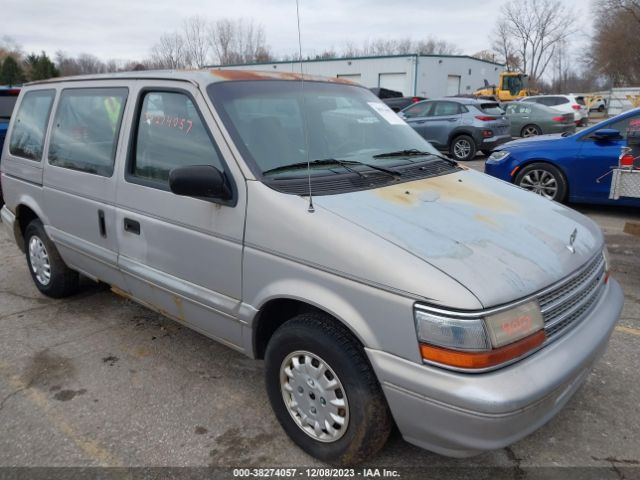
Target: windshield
{"points": [[268, 120]]}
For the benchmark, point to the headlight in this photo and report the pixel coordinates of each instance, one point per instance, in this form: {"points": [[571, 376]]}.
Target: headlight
{"points": [[479, 341], [499, 155]]}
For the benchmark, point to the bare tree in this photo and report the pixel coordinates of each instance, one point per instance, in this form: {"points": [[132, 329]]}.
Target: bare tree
{"points": [[615, 45], [170, 52], [9, 47], [400, 46], [196, 42], [534, 28], [503, 45], [238, 41]]}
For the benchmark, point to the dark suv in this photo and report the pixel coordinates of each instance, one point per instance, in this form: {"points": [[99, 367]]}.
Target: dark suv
{"points": [[8, 97], [461, 126]]}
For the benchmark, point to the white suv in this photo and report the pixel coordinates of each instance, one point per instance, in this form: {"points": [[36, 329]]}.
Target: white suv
{"points": [[564, 104]]}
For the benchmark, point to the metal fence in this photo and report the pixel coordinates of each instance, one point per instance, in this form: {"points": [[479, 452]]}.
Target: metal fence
{"points": [[622, 99]]}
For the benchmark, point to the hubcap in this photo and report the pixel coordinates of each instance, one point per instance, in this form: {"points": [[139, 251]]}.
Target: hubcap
{"points": [[462, 148], [530, 132], [39, 259], [314, 396], [541, 182]]}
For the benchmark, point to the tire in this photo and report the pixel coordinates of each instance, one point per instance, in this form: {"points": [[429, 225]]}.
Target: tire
{"points": [[486, 153], [463, 148], [364, 410], [601, 108], [530, 131], [544, 179], [48, 271]]}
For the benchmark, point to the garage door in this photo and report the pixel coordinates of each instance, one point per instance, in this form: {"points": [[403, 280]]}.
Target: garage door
{"points": [[354, 77], [453, 85], [393, 81]]}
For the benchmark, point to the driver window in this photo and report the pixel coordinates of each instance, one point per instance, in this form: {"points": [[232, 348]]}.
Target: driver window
{"points": [[417, 110]]}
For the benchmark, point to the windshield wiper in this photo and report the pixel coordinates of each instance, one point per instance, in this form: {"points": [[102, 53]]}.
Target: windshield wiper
{"points": [[346, 164], [413, 152], [403, 153]]}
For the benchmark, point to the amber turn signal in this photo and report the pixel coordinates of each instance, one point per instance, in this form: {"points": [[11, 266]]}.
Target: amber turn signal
{"points": [[474, 360]]}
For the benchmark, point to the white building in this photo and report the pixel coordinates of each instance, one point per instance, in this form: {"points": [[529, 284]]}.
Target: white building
{"points": [[424, 75]]}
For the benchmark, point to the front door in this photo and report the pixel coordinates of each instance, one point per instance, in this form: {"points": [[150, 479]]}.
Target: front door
{"points": [[595, 161], [180, 255]]}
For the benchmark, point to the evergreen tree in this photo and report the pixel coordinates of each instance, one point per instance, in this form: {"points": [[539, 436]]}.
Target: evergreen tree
{"points": [[10, 72], [41, 67]]}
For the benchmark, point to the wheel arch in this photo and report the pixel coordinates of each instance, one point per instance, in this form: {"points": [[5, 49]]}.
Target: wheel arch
{"points": [[462, 131], [276, 311], [26, 211], [514, 173]]}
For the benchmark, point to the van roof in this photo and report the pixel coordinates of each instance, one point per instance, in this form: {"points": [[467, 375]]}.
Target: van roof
{"points": [[200, 77]]}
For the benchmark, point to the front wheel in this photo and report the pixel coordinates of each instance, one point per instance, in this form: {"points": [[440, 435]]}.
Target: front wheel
{"points": [[544, 179], [463, 148], [324, 392]]}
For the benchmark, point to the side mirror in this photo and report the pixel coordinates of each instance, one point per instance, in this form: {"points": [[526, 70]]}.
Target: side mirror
{"points": [[606, 134], [199, 181]]}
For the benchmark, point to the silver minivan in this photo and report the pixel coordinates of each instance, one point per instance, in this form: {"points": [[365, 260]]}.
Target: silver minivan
{"points": [[306, 224]]}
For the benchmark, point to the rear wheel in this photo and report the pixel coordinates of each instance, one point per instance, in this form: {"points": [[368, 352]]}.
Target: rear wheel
{"points": [[463, 148], [530, 131], [544, 179], [324, 392], [48, 271]]}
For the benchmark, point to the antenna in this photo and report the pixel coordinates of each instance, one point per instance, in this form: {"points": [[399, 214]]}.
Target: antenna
{"points": [[310, 209]]}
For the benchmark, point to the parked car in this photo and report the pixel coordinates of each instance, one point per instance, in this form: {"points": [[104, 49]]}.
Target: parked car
{"points": [[461, 126], [598, 103], [463, 310], [531, 119], [563, 104], [8, 97], [567, 167], [394, 100]]}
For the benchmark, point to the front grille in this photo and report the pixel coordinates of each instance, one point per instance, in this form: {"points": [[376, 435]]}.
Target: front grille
{"points": [[566, 304]]}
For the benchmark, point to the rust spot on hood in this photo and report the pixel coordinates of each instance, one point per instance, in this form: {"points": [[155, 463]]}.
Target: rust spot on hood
{"points": [[266, 75], [454, 188]]}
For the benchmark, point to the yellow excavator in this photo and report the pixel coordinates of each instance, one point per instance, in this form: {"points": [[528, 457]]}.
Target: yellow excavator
{"points": [[511, 86]]}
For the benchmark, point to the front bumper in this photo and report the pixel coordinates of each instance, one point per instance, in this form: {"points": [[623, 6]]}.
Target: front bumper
{"points": [[460, 415]]}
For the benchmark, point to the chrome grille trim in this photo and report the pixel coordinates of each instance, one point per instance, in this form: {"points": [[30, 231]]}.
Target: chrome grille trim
{"points": [[570, 301]]}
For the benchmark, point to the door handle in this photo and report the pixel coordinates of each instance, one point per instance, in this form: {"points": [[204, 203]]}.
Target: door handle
{"points": [[101, 224], [131, 226]]}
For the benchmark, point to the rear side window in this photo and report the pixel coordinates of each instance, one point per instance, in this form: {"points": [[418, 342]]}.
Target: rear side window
{"points": [[170, 134], [558, 101], [30, 123], [86, 127], [491, 108], [445, 108]]}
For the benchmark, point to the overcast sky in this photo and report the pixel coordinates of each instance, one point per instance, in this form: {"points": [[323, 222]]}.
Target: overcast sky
{"points": [[126, 29]]}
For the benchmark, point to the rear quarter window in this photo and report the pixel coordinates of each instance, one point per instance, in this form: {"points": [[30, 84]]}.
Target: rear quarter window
{"points": [[491, 108], [86, 128], [27, 136]]}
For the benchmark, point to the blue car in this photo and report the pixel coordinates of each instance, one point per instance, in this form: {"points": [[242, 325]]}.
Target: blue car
{"points": [[566, 167]]}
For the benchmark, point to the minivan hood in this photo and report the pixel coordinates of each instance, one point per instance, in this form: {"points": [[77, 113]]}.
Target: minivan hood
{"points": [[499, 241]]}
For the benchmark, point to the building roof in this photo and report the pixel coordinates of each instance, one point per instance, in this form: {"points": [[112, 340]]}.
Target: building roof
{"points": [[369, 57]]}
